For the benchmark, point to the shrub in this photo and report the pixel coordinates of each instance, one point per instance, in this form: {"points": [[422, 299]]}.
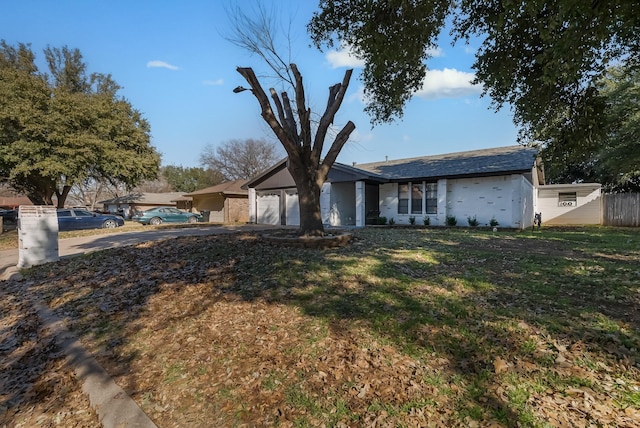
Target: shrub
{"points": [[473, 221], [451, 220], [493, 222], [392, 221], [426, 221], [382, 220], [412, 220]]}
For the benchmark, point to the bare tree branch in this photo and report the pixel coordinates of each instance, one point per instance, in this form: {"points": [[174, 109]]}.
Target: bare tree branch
{"points": [[304, 113], [267, 112], [337, 145], [233, 160], [256, 36], [290, 119], [336, 95]]}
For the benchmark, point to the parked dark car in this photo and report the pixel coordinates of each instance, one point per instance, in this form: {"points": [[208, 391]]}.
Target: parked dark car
{"points": [[9, 219], [160, 215], [76, 219]]}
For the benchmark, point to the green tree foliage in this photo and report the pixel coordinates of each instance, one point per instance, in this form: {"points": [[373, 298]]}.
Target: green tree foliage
{"points": [[60, 129], [240, 159], [610, 152], [394, 38], [190, 179], [537, 56]]}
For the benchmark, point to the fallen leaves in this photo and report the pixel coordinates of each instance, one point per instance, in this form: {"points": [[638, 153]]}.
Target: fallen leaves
{"points": [[500, 365], [37, 388], [410, 328]]}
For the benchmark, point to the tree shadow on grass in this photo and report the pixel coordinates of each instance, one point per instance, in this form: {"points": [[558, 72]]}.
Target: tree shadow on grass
{"points": [[525, 312], [485, 323]]}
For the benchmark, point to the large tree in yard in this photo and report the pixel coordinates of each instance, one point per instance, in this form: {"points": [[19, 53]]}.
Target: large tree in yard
{"points": [[290, 119], [66, 127], [610, 153], [190, 179], [539, 57], [304, 150]]}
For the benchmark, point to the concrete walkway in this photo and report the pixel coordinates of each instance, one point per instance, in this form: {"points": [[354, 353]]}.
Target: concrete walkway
{"points": [[114, 407]]}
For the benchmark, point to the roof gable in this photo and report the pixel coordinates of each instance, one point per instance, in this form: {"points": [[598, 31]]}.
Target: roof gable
{"points": [[278, 176], [226, 188]]}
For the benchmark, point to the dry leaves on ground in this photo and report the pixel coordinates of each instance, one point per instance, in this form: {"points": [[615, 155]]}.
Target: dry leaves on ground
{"points": [[393, 330], [37, 388]]}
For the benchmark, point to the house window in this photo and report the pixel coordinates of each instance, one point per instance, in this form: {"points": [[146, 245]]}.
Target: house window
{"points": [[416, 199], [568, 199], [432, 198], [403, 198], [424, 198]]}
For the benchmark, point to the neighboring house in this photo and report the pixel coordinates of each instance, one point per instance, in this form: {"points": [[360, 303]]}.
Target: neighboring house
{"points": [[143, 201], [223, 203], [13, 202], [501, 183]]}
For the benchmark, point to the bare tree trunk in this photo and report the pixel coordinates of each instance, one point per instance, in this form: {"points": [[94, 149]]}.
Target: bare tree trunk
{"points": [[308, 200], [62, 196], [308, 169]]}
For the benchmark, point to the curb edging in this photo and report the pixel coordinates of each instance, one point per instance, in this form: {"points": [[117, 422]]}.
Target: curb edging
{"points": [[113, 405]]}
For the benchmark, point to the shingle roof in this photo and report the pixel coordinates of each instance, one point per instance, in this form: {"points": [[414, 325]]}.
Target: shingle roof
{"points": [[14, 201], [228, 188], [499, 160]]}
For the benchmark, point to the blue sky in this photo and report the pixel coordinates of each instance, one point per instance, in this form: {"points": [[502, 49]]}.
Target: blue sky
{"points": [[176, 66]]}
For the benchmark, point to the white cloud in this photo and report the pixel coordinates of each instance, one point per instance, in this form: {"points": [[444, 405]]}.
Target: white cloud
{"points": [[161, 64], [358, 95], [435, 52], [217, 82], [360, 137], [448, 83], [343, 58]]}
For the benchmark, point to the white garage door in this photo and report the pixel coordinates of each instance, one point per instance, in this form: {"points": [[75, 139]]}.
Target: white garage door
{"points": [[293, 208], [268, 209]]}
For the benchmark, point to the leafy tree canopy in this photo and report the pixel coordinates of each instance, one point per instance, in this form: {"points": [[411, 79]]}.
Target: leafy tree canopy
{"points": [[537, 56], [610, 152], [190, 179], [61, 128], [240, 159]]}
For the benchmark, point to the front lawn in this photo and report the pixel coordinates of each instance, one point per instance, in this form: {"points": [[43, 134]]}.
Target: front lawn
{"points": [[405, 327]]}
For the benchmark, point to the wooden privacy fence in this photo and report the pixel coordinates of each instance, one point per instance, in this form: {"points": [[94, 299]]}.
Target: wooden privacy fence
{"points": [[621, 209]]}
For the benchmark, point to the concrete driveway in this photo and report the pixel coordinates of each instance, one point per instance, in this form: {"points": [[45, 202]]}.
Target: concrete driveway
{"points": [[88, 244]]}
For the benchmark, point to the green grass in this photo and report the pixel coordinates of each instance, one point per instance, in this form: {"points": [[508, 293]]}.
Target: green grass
{"points": [[9, 240], [489, 327]]}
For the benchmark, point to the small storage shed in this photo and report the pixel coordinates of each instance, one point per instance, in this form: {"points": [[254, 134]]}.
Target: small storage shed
{"points": [[570, 204]]}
